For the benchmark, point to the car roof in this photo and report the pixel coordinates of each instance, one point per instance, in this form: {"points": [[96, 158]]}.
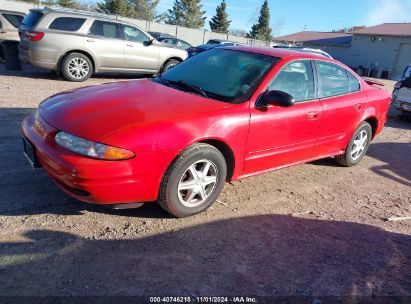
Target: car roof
{"points": [[69, 11], [12, 12], [274, 52]]}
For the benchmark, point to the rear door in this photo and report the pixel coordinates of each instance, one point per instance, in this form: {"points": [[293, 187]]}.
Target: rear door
{"points": [[343, 105], [105, 42], [140, 52]]}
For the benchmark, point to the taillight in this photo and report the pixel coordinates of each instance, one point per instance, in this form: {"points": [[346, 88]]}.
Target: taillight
{"points": [[33, 36]]}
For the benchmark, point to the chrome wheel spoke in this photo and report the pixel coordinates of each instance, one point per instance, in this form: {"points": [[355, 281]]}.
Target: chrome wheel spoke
{"points": [[197, 183], [359, 144], [78, 68]]}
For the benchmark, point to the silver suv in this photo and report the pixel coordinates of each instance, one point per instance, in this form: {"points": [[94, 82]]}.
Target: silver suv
{"points": [[79, 43]]}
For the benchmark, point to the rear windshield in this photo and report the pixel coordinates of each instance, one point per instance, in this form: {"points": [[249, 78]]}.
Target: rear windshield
{"points": [[67, 24], [31, 19], [15, 20]]}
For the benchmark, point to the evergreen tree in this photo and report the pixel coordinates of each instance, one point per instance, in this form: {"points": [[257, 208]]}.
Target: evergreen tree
{"points": [[220, 23], [67, 3], [187, 13], [262, 30], [115, 7], [145, 9]]}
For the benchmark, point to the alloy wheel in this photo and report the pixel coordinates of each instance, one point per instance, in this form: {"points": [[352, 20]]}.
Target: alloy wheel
{"points": [[359, 145], [197, 183]]}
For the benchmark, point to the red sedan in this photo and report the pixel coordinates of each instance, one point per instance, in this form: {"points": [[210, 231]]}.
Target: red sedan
{"points": [[222, 115]]}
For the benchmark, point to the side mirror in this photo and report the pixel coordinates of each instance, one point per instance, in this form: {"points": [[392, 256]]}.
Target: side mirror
{"points": [[274, 97]]}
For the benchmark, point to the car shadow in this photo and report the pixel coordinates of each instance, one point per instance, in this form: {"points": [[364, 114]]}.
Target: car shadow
{"points": [[27, 192], [28, 71], [266, 255], [396, 159]]}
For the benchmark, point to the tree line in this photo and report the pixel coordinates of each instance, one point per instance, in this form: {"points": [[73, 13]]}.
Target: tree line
{"points": [[187, 13]]}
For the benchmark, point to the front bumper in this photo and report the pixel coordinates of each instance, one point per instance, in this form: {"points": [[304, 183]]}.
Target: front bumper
{"points": [[96, 181]]}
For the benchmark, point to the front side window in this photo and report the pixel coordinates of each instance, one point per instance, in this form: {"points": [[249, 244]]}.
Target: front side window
{"points": [[67, 24], [296, 79], [333, 79], [105, 29], [134, 34], [15, 20], [225, 75]]}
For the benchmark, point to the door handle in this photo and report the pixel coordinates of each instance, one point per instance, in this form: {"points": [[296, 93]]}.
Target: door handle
{"points": [[313, 115], [90, 40], [2, 32], [130, 45], [358, 107]]}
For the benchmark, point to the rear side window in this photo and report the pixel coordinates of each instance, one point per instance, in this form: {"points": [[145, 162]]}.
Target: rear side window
{"points": [[333, 79], [104, 28], [354, 83], [15, 20], [67, 24], [31, 19]]}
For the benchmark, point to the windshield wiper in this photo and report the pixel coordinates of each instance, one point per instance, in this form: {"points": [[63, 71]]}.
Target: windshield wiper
{"points": [[191, 87]]}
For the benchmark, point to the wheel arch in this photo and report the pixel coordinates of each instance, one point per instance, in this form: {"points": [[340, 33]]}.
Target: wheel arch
{"points": [[68, 52], [170, 58], [373, 121], [227, 152]]}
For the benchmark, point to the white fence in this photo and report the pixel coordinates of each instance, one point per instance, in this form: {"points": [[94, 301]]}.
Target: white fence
{"points": [[193, 36]]}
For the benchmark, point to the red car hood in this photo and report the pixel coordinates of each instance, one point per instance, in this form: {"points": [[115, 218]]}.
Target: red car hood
{"points": [[96, 111]]}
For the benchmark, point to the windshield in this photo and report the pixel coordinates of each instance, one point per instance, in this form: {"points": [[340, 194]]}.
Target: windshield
{"points": [[226, 75]]}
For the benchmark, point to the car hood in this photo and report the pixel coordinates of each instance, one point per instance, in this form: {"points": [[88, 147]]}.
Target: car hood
{"points": [[95, 112]]}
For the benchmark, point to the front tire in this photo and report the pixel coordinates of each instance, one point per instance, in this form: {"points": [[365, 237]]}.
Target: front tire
{"points": [[76, 67], [169, 65], [357, 147], [193, 181]]}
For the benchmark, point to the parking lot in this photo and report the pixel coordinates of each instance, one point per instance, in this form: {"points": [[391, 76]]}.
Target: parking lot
{"points": [[309, 230]]}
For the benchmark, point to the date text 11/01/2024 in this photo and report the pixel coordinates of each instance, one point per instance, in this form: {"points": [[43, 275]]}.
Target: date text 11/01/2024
{"points": [[203, 300]]}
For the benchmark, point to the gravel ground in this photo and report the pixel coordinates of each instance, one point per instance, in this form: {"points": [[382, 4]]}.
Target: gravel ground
{"points": [[310, 230]]}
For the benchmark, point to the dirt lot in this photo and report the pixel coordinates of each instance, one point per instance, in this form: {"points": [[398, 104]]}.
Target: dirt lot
{"points": [[311, 230]]}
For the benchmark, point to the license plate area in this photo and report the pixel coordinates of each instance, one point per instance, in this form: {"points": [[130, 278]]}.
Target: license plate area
{"points": [[28, 151]]}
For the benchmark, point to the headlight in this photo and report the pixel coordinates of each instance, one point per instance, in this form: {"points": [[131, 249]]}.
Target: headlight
{"points": [[91, 149]]}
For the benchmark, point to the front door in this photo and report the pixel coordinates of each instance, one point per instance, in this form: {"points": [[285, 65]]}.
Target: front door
{"points": [[280, 136], [141, 53]]}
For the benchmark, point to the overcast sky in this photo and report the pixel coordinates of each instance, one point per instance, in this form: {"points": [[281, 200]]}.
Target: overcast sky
{"points": [[316, 15]]}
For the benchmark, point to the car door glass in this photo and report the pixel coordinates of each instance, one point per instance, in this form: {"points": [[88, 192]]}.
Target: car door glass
{"points": [[296, 79], [134, 34], [354, 83], [407, 73], [15, 20], [67, 24], [333, 79], [104, 28]]}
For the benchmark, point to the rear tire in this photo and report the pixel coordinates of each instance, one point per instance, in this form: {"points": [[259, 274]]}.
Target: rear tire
{"points": [[357, 146], [193, 181], [169, 65], [76, 67]]}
